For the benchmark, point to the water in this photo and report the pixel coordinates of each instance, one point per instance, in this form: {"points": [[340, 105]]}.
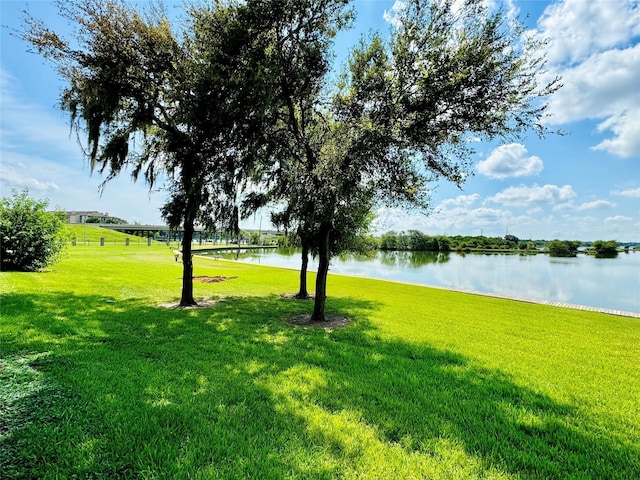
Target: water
{"points": [[612, 283]]}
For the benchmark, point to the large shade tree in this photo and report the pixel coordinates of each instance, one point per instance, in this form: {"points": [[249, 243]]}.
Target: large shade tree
{"points": [[182, 106], [403, 113], [301, 35]]}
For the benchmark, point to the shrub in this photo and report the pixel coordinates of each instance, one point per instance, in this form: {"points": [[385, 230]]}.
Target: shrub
{"points": [[605, 248], [30, 237], [562, 248]]}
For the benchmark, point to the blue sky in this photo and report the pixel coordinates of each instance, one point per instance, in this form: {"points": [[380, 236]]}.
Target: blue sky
{"points": [[585, 185]]}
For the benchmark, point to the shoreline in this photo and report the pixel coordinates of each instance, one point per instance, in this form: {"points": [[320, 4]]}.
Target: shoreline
{"points": [[551, 303]]}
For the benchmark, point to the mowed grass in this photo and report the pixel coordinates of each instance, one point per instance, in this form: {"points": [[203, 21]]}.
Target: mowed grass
{"points": [[98, 381], [92, 233]]}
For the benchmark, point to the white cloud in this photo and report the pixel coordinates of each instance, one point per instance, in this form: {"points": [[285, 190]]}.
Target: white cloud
{"points": [[456, 6], [391, 16], [38, 154], [388, 218], [630, 193], [596, 205], [457, 216], [461, 201], [488, 216], [617, 219], [71, 188], [16, 174], [508, 161], [626, 127], [25, 123], [564, 206], [593, 47], [524, 196], [577, 28], [603, 86]]}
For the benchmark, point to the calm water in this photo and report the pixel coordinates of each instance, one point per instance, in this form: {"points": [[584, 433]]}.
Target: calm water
{"points": [[584, 280]]}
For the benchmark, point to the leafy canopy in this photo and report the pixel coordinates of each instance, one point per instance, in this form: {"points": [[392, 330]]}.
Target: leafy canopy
{"points": [[183, 105], [403, 114]]}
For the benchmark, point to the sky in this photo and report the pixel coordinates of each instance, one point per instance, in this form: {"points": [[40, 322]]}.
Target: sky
{"points": [[584, 185]]}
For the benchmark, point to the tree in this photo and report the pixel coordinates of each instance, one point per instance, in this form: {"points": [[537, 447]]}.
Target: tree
{"points": [[563, 248], [31, 238], [158, 103], [301, 33], [511, 241], [403, 112], [605, 249]]}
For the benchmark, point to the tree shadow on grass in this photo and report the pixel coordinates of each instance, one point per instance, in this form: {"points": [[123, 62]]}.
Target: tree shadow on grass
{"points": [[123, 389]]}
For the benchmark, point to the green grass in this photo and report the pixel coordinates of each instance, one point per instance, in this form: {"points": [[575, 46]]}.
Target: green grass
{"points": [[92, 233], [97, 381]]}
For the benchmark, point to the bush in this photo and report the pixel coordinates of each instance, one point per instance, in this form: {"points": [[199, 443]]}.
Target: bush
{"points": [[562, 248], [605, 248], [30, 237]]}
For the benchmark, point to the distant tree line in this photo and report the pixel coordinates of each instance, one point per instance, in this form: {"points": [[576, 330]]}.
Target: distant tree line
{"points": [[417, 241], [414, 240], [569, 248]]}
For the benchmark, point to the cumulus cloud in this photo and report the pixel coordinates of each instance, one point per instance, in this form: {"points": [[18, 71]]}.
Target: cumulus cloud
{"points": [[449, 218], [469, 220], [461, 201], [617, 219], [508, 161], [523, 196], [626, 127], [577, 28], [488, 216], [629, 193], [596, 205], [603, 85], [391, 16], [593, 47]]}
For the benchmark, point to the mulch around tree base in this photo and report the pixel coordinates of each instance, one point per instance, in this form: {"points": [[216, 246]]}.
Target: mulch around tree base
{"points": [[294, 296], [217, 279], [200, 304], [331, 321]]}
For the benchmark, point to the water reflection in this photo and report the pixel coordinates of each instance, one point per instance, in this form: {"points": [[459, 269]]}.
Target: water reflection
{"points": [[411, 259]]}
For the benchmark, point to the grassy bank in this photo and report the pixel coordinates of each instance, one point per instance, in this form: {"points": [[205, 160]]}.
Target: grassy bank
{"points": [[97, 381], [91, 233]]}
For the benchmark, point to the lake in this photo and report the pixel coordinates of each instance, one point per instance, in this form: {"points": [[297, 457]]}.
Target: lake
{"points": [[612, 283]]}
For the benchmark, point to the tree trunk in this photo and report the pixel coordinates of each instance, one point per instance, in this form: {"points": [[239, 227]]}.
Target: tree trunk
{"points": [[187, 265], [303, 293], [321, 277]]}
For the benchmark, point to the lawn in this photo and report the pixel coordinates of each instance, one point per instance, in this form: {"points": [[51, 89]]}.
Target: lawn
{"points": [[89, 233], [98, 381]]}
